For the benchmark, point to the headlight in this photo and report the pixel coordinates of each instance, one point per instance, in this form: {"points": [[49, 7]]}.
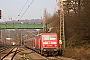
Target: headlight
{"points": [[43, 45], [44, 49], [55, 45]]}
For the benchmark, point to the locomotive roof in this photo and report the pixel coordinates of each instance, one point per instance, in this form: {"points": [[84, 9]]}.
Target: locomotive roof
{"points": [[45, 34]]}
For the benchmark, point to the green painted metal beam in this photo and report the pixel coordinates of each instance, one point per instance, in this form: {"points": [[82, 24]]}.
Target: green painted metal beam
{"points": [[22, 26]]}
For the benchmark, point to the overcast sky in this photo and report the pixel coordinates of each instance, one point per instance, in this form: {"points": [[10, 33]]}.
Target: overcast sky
{"points": [[12, 8]]}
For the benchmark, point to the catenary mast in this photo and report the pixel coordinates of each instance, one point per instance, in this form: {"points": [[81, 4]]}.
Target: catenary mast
{"points": [[59, 9]]}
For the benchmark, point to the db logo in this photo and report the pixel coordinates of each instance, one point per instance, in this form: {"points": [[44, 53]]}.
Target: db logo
{"points": [[49, 42]]}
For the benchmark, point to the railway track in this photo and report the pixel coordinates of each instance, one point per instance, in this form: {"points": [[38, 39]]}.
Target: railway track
{"points": [[22, 53], [10, 55], [58, 58], [32, 55], [3, 49]]}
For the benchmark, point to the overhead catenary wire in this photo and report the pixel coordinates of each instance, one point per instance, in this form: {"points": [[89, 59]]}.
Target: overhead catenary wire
{"points": [[22, 8], [26, 9]]}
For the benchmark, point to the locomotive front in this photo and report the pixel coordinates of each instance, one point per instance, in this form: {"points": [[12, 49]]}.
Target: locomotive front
{"points": [[49, 43]]}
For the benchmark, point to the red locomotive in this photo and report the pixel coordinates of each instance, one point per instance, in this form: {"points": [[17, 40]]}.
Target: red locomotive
{"points": [[45, 43]]}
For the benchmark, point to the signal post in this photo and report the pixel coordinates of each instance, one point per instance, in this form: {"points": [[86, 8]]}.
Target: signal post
{"points": [[0, 14]]}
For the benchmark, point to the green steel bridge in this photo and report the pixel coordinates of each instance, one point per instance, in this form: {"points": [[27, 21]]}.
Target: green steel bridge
{"points": [[23, 26]]}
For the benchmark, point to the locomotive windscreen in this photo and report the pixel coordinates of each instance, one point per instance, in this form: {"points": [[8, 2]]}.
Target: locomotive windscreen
{"points": [[49, 37]]}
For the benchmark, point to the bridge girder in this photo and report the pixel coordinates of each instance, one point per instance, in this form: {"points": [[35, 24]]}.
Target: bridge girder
{"points": [[22, 26]]}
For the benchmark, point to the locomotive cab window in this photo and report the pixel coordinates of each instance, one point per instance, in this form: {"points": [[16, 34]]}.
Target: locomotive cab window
{"points": [[45, 37], [52, 37]]}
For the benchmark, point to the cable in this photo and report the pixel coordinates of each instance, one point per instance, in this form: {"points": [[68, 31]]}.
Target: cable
{"points": [[27, 8], [22, 9]]}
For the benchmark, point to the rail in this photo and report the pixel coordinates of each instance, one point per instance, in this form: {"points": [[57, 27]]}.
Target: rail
{"points": [[10, 54]]}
